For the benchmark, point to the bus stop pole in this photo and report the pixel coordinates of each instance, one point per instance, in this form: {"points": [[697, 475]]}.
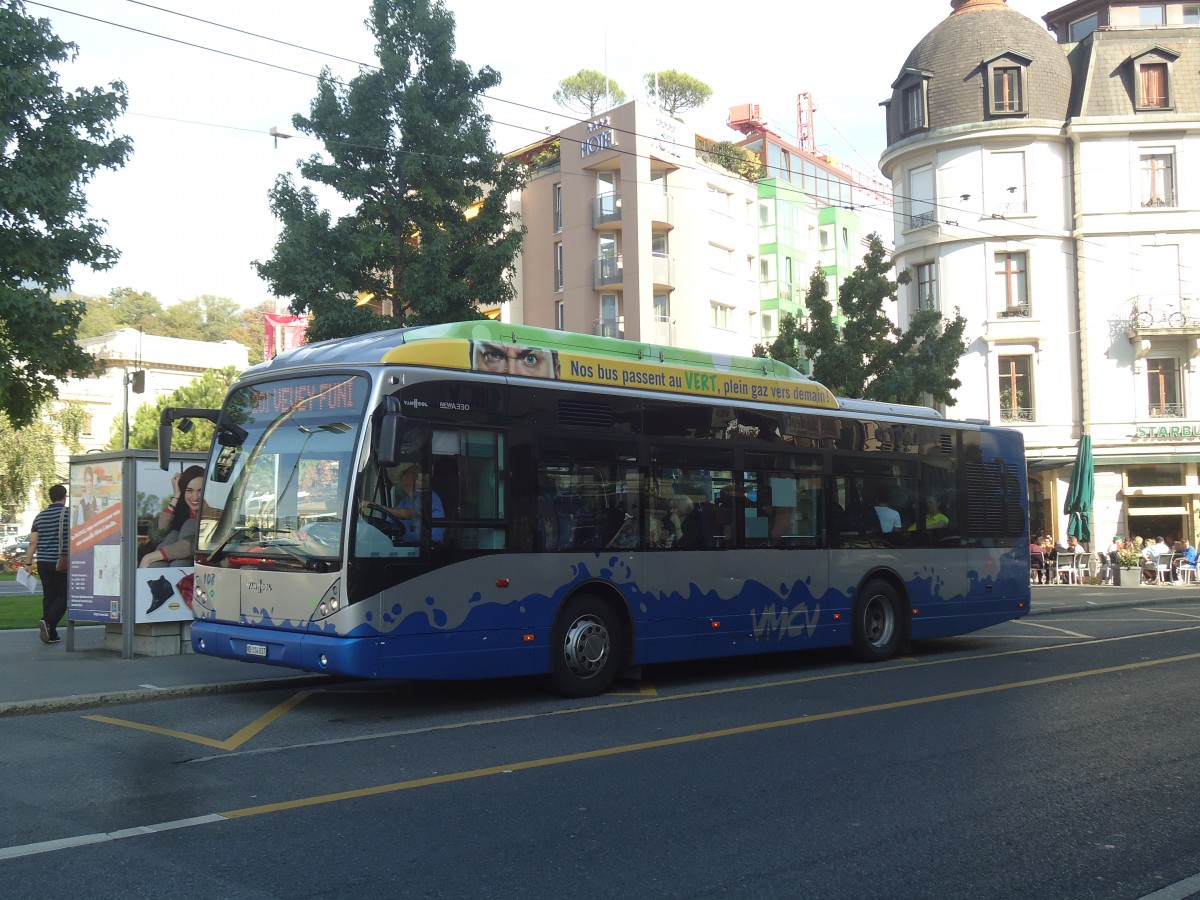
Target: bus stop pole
{"points": [[129, 551]]}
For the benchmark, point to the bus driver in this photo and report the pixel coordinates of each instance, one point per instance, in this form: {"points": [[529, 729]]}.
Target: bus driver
{"points": [[405, 513]]}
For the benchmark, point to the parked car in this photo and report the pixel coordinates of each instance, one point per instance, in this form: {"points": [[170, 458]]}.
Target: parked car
{"points": [[15, 547]]}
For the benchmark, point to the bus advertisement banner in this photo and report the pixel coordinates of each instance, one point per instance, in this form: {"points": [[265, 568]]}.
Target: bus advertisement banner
{"points": [[712, 381]]}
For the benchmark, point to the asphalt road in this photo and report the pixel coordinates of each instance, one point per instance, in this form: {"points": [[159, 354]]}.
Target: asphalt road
{"points": [[1052, 757]]}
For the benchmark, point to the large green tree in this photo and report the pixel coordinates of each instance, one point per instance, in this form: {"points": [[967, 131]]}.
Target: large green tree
{"points": [[865, 355], [206, 392], [676, 92], [584, 91], [52, 142], [407, 145]]}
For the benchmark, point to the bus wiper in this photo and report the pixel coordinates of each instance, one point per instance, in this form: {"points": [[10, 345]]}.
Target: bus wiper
{"points": [[237, 533]]}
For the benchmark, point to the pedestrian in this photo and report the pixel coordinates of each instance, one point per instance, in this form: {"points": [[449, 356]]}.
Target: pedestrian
{"points": [[47, 542]]}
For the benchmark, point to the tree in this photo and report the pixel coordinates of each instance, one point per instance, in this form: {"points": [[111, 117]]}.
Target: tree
{"points": [[52, 142], [868, 356], [583, 92], [206, 392], [203, 318], [27, 454], [676, 92], [408, 146]]}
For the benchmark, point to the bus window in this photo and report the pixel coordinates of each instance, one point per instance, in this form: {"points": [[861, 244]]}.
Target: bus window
{"points": [[692, 502], [583, 496]]}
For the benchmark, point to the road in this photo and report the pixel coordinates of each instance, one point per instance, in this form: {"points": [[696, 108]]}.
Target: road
{"points": [[1054, 757]]}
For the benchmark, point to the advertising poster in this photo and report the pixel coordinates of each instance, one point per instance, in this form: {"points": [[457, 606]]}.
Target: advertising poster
{"points": [[167, 510], [94, 576]]}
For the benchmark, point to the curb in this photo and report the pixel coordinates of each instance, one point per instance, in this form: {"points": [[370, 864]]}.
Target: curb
{"points": [[115, 698], [1094, 605]]}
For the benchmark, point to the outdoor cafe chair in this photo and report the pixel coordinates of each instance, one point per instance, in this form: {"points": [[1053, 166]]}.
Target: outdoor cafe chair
{"points": [[1066, 567]]}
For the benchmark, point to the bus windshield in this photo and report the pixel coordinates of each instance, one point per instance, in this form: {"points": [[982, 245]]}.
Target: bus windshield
{"points": [[280, 473]]}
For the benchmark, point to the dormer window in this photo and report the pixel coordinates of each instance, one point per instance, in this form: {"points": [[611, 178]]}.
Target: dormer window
{"points": [[912, 109], [1152, 79], [912, 89], [1006, 84]]}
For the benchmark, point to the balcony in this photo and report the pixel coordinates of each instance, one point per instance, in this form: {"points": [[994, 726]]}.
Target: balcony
{"points": [[923, 218], [608, 272], [662, 330], [609, 327], [663, 268], [660, 210], [1016, 414], [1015, 311], [1167, 411], [606, 210]]}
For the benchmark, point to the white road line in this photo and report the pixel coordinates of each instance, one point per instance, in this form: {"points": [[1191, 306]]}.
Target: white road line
{"points": [[1177, 891], [84, 840]]}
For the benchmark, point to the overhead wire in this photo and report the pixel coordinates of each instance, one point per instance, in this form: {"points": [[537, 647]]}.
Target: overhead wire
{"points": [[883, 212]]}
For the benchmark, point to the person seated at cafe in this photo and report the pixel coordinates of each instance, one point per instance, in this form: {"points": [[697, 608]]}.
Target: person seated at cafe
{"points": [[1150, 555], [1187, 557], [1037, 563]]}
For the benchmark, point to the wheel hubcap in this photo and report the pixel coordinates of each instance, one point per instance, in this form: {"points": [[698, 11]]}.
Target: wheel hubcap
{"points": [[586, 647], [878, 621]]}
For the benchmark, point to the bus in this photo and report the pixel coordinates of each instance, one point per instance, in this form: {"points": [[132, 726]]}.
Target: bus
{"points": [[478, 500]]}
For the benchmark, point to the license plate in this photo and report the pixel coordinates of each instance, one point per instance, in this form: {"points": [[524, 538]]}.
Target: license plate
{"points": [[256, 649]]}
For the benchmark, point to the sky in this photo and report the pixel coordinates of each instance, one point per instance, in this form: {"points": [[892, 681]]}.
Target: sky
{"points": [[189, 210]]}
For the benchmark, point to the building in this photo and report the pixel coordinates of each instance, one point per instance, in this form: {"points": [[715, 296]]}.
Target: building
{"points": [[632, 232], [1042, 190], [168, 363]]}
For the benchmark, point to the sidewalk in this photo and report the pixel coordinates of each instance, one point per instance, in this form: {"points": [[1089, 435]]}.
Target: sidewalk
{"points": [[38, 678]]}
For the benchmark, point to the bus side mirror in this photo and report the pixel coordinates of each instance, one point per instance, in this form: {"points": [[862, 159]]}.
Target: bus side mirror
{"points": [[164, 446], [391, 431]]}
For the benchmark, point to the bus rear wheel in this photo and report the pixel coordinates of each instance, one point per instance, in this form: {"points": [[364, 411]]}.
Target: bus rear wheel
{"points": [[878, 622], [586, 649]]}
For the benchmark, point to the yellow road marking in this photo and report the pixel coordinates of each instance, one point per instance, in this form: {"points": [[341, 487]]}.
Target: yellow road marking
{"points": [[1171, 612], [232, 743], [621, 750], [1086, 637]]}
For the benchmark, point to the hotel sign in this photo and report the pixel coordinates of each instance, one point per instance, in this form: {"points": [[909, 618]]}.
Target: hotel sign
{"points": [[601, 136]]}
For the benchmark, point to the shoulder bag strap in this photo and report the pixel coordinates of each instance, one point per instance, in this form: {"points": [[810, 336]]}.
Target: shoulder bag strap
{"points": [[62, 531]]}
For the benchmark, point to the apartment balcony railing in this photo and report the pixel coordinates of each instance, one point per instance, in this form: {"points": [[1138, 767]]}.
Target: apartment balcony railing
{"points": [[609, 327], [606, 209], [923, 218], [607, 271], [1016, 414], [663, 268], [1165, 312], [1017, 310], [1167, 411], [662, 330], [660, 208]]}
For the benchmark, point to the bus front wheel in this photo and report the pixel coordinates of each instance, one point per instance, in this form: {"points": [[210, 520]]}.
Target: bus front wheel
{"points": [[586, 649], [878, 622]]}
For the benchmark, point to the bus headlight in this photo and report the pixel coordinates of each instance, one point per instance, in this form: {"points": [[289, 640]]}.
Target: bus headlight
{"points": [[328, 604]]}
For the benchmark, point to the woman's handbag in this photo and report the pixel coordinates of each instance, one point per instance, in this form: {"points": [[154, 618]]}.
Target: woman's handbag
{"points": [[62, 533]]}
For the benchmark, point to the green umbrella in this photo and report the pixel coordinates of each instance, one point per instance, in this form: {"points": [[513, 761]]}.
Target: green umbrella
{"points": [[1081, 493]]}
